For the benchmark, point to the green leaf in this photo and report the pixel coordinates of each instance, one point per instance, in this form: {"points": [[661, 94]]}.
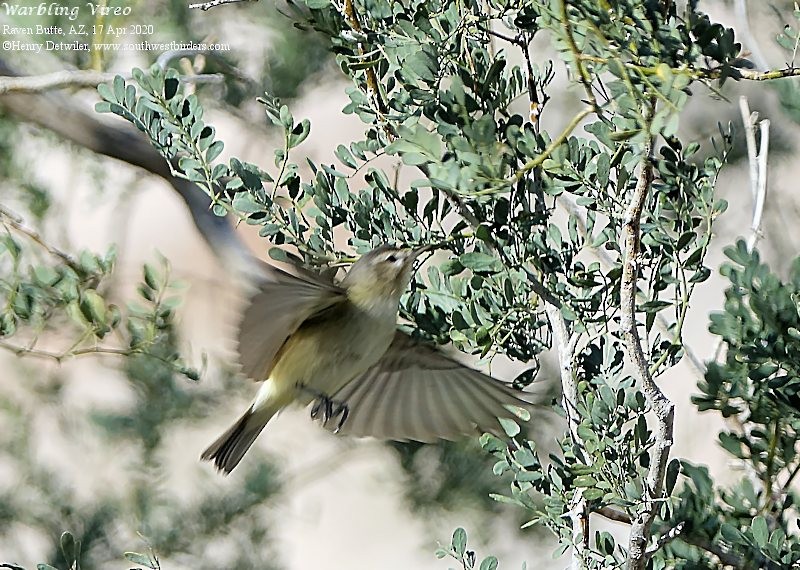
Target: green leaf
{"points": [[151, 277], [478, 261], [299, 133], [459, 541], [509, 426], [489, 563], [106, 93], [214, 150], [170, 87], [93, 307], [317, 4], [760, 531], [68, 548], [141, 559], [245, 203]]}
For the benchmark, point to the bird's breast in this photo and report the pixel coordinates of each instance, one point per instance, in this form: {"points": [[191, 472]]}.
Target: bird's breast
{"points": [[327, 355]]}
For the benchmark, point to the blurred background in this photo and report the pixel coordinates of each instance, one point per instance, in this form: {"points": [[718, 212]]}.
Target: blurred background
{"points": [[108, 447]]}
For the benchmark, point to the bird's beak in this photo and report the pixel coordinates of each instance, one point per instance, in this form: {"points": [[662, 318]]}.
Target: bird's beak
{"points": [[416, 252]]}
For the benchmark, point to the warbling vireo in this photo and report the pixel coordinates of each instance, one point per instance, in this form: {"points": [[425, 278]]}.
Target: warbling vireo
{"points": [[311, 340]]}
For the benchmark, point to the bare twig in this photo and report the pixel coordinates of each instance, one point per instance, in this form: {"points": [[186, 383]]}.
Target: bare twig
{"points": [[725, 556], [213, 3], [77, 78], [750, 137], [59, 357], [667, 537], [757, 162], [705, 73], [761, 186], [659, 403], [17, 223]]}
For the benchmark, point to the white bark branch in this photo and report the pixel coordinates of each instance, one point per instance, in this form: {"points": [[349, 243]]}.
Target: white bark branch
{"points": [[664, 409], [579, 509]]}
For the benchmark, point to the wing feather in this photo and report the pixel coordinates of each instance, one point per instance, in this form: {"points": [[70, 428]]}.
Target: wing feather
{"points": [[280, 304], [416, 392]]}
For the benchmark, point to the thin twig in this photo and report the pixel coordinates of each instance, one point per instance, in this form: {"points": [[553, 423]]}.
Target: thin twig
{"points": [[761, 186], [750, 137], [704, 73], [213, 3], [583, 74], [18, 225], [539, 159], [658, 402], [667, 537], [725, 556], [78, 78], [69, 353]]}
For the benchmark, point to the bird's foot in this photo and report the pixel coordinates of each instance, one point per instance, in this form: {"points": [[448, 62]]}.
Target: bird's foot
{"points": [[329, 409]]}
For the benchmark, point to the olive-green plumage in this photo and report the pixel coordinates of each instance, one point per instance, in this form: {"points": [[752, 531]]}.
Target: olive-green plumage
{"points": [[307, 338]]}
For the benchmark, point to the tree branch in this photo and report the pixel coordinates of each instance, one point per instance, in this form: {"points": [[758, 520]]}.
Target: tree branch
{"points": [[351, 16], [740, 8], [663, 408], [77, 78], [757, 161], [208, 5], [579, 508], [67, 119], [18, 225], [725, 556], [539, 159], [584, 77]]}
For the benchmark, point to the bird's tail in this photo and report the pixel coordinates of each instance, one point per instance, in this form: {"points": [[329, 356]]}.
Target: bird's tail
{"points": [[227, 451]]}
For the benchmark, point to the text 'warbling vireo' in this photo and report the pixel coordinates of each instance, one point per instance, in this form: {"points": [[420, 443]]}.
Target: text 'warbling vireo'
{"points": [[310, 340]]}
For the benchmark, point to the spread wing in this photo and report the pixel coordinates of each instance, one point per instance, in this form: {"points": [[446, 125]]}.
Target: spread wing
{"points": [[278, 307], [417, 393]]}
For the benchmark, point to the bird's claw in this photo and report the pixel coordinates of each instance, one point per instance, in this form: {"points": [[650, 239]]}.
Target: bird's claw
{"points": [[329, 409]]}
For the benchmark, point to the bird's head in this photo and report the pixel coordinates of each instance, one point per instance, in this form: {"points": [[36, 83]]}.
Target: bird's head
{"points": [[379, 277]]}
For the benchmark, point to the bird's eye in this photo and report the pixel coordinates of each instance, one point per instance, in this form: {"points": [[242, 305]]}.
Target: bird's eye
{"points": [[392, 259]]}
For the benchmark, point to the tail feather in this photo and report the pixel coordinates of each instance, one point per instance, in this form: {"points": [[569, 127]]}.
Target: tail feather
{"points": [[227, 451]]}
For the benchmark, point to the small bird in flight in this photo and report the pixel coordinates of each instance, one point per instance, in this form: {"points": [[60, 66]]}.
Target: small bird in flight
{"points": [[309, 340]]}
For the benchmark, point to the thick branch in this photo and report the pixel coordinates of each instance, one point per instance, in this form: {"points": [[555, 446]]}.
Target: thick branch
{"points": [[746, 33], [71, 121], [663, 408]]}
